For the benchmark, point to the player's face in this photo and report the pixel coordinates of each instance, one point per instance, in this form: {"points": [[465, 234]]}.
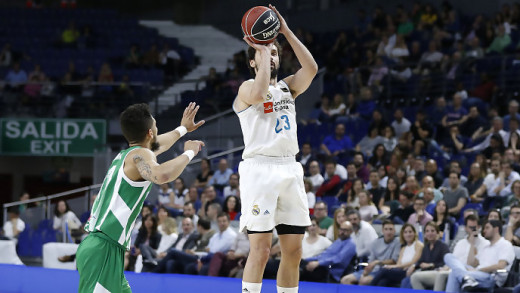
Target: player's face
{"points": [[274, 60]]}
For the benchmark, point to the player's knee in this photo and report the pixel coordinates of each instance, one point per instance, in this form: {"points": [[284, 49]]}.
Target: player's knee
{"points": [[365, 280], [259, 254], [292, 253], [348, 280]]}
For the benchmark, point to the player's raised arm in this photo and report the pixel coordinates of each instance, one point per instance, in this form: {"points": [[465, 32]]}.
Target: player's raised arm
{"points": [[166, 140], [251, 93], [302, 79], [145, 162]]}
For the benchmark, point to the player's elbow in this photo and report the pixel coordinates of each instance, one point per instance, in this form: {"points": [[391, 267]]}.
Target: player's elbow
{"points": [[313, 67]]}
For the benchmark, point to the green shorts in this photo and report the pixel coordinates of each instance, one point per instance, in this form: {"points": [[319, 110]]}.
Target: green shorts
{"points": [[100, 262]]}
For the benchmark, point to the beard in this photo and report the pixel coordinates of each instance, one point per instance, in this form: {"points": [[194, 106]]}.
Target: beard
{"points": [[154, 145], [274, 73]]}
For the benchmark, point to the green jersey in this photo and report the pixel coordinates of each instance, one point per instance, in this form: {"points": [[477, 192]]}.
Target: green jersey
{"points": [[118, 203]]}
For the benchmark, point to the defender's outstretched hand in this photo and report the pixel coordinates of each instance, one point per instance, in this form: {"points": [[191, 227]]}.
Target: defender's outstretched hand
{"points": [[194, 145], [188, 118]]}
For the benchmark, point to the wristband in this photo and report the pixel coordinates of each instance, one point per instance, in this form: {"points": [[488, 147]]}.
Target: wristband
{"points": [[182, 130], [190, 154]]}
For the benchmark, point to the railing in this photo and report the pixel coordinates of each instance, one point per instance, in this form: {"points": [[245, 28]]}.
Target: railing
{"points": [[88, 190]]}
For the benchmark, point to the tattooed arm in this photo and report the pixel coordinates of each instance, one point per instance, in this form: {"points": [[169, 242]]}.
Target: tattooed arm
{"points": [[141, 164]]}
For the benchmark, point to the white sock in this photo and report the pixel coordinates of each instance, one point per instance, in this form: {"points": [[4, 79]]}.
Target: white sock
{"points": [[251, 287], [286, 290]]}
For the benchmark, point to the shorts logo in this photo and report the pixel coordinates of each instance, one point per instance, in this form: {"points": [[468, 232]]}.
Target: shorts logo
{"points": [[268, 107], [256, 210], [266, 212]]}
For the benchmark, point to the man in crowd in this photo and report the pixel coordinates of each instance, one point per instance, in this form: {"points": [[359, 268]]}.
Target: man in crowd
{"points": [[496, 255], [383, 251], [337, 256], [364, 234], [321, 214]]}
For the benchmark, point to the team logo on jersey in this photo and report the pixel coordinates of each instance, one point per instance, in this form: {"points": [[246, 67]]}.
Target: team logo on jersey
{"points": [[268, 107], [256, 210], [269, 96]]}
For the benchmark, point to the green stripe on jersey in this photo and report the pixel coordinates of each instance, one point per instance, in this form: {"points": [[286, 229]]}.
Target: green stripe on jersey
{"points": [[118, 203]]}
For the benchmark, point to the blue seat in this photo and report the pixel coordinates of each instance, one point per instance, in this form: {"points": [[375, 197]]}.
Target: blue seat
{"points": [[24, 242]]}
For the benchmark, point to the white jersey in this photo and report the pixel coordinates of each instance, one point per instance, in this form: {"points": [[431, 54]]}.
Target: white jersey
{"points": [[269, 128]]}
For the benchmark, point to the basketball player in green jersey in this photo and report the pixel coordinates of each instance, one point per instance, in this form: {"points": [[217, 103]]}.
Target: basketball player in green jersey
{"points": [[100, 256]]}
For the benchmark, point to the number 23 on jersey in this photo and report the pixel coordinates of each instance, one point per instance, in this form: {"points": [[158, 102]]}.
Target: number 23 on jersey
{"points": [[284, 124]]}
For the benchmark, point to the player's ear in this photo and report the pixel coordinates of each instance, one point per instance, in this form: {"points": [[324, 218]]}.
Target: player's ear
{"points": [[150, 133], [252, 63]]}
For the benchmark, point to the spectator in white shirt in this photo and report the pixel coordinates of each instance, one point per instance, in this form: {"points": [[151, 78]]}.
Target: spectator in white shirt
{"points": [[502, 185], [364, 234], [63, 215], [315, 177], [233, 187], [313, 243], [14, 226], [497, 255], [401, 125], [462, 249], [311, 196]]}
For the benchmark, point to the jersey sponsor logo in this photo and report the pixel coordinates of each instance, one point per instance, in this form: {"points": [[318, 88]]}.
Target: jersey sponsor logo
{"points": [[256, 210], [268, 107]]}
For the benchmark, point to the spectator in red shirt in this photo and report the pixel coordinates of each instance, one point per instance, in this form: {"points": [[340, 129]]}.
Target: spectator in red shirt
{"points": [[331, 186]]}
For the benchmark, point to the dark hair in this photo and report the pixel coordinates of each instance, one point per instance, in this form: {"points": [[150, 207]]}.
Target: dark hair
{"points": [[433, 225], [353, 212], [445, 215], [14, 210], [208, 161], [164, 209], [221, 214], [190, 203], [135, 122], [237, 205], [204, 223], [494, 224], [388, 194], [183, 186], [496, 211], [56, 212], [251, 56], [154, 226], [470, 218], [458, 174], [387, 222]]}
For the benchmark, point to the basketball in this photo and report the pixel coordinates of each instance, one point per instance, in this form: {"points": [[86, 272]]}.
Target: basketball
{"points": [[260, 25]]}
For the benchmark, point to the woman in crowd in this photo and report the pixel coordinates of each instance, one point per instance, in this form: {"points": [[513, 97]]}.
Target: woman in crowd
{"points": [[367, 209], [313, 243], [205, 174], [64, 216], [162, 215], [442, 219], [147, 241], [232, 207], [411, 249], [379, 157], [391, 196], [352, 198], [340, 216], [424, 272]]}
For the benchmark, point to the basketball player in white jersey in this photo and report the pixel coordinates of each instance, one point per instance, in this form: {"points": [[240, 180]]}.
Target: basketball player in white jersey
{"points": [[271, 181]]}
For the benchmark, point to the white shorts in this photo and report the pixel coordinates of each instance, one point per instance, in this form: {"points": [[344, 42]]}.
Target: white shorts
{"points": [[272, 193]]}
